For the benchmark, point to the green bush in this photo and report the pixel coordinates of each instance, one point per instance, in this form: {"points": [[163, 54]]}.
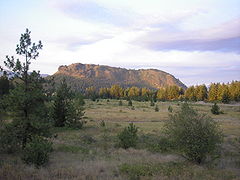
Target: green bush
{"points": [[155, 143], [9, 141], [162, 145], [170, 109], [120, 103], [215, 109], [152, 103], [130, 102], [37, 152], [102, 123], [128, 137], [196, 136]]}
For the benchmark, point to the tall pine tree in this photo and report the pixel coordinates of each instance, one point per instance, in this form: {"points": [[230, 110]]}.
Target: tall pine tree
{"points": [[26, 101]]}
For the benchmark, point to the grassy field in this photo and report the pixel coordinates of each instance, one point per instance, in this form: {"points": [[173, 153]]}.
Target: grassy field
{"points": [[91, 153]]}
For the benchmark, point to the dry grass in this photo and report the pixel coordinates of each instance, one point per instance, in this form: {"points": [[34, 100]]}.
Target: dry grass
{"points": [[91, 153]]}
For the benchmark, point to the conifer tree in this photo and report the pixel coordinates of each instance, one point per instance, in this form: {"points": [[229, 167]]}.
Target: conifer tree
{"points": [[67, 111], [26, 101], [215, 109], [61, 104]]}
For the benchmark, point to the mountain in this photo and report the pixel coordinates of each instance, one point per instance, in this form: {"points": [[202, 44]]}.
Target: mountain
{"points": [[80, 76]]}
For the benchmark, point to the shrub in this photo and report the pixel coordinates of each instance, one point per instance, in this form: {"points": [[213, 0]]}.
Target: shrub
{"points": [[163, 145], [128, 137], [102, 123], [152, 103], [170, 109], [87, 139], [120, 103], [196, 136], [129, 102], [215, 109], [9, 141], [156, 108], [155, 143], [37, 152]]}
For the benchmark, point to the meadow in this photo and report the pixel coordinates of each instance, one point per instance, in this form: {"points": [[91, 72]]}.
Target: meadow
{"points": [[92, 152]]}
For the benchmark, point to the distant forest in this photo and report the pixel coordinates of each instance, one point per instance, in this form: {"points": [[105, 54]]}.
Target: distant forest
{"points": [[217, 92]]}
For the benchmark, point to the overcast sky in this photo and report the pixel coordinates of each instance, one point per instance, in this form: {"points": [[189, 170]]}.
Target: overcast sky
{"points": [[198, 41]]}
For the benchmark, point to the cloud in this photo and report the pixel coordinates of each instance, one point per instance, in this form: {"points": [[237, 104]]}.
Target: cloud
{"points": [[223, 38], [72, 43], [222, 45], [94, 12]]}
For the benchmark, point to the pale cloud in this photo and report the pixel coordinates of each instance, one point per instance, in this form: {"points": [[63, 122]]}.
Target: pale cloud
{"points": [[224, 38]]}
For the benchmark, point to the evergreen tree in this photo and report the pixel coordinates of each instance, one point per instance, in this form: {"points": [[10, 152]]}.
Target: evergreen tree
{"points": [[129, 102], [170, 109], [120, 103], [152, 103], [67, 111], [26, 101], [215, 109], [61, 104]]}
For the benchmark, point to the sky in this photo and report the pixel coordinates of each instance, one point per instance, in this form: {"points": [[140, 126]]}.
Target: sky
{"points": [[198, 41]]}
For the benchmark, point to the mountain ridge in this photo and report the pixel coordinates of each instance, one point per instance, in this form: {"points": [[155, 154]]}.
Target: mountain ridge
{"points": [[105, 76]]}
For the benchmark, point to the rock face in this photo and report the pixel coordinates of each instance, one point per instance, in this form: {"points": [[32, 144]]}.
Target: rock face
{"points": [[105, 76]]}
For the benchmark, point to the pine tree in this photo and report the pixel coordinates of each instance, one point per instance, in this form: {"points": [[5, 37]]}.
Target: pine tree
{"points": [[61, 104], [152, 103], [215, 109], [26, 101], [67, 111], [129, 102], [120, 103]]}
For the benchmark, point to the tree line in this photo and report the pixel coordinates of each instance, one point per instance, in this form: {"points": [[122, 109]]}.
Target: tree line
{"points": [[216, 92]]}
